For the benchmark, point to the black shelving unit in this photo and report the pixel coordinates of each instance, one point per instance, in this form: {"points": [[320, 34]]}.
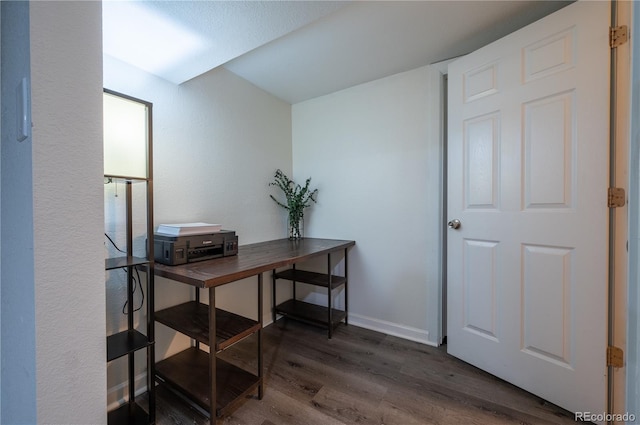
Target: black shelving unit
{"points": [[130, 341]]}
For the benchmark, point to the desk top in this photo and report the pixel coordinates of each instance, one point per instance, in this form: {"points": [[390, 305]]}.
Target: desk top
{"points": [[251, 260]]}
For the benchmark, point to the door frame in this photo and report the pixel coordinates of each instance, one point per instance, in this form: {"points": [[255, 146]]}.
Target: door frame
{"points": [[632, 384], [437, 74], [619, 177]]}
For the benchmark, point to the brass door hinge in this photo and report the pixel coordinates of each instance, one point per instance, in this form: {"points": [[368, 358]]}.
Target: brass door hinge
{"points": [[616, 197], [615, 356], [618, 36]]}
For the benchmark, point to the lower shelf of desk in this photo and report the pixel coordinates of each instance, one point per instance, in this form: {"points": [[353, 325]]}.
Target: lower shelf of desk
{"points": [[188, 373], [310, 313], [192, 319]]}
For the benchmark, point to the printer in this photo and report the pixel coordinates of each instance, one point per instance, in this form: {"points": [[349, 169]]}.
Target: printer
{"points": [[174, 250]]}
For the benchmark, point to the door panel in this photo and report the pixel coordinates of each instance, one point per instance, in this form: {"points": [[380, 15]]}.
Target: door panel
{"points": [[546, 309], [482, 161], [528, 161], [549, 151], [480, 288]]}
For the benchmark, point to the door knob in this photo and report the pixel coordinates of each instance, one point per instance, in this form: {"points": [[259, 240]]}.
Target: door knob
{"points": [[454, 224]]}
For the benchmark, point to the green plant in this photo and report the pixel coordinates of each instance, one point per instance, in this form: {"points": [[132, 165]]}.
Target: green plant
{"points": [[297, 199]]}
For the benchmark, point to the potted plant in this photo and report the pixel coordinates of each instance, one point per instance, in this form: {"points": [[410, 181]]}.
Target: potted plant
{"points": [[297, 199]]}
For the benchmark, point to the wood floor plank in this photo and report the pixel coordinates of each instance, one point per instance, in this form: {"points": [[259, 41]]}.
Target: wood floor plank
{"points": [[277, 408], [392, 415], [345, 407]]}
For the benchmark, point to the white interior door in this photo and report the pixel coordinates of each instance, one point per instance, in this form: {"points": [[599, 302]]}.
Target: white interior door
{"points": [[528, 161]]}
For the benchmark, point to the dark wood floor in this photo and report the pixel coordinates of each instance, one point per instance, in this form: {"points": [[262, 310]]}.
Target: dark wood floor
{"points": [[365, 377]]}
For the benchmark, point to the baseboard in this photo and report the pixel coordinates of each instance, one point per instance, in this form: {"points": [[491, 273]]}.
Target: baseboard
{"points": [[119, 394], [389, 328], [382, 326]]}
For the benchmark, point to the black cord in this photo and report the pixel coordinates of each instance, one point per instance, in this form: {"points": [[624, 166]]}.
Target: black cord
{"points": [[114, 244], [137, 282]]}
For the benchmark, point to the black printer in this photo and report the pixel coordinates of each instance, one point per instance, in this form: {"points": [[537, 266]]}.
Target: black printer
{"points": [[174, 250]]}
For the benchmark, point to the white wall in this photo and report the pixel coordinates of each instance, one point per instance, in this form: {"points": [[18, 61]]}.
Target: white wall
{"points": [[18, 390], [217, 141], [66, 76], [374, 154]]}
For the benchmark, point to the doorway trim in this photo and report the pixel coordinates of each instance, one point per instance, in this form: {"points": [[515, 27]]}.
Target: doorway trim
{"points": [[438, 131], [632, 373], [620, 147]]}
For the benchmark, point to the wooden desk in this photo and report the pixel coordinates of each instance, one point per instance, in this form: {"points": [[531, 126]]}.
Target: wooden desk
{"points": [[187, 371]]}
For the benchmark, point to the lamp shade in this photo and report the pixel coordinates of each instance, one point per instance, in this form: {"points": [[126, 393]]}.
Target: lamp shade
{"points": [[125, 137]]}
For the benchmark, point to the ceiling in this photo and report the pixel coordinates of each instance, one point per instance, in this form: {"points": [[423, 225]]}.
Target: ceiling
{"points": [[298, 50]]}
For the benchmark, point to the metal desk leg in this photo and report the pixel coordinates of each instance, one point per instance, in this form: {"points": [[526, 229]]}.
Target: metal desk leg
{"points": [[346, 288], [260, 367], [273, 296], [197, 291], [330, 295], [212, 356], [293, 282]]}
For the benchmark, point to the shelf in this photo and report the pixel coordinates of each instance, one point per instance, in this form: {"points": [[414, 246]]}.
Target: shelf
{"points": [[313, 278], [119, 262], [110, 178], [120, 416], [124, 343], [192, 319], [188, 373], [311, 313]]}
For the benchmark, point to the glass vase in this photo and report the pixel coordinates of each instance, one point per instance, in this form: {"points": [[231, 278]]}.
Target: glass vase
{"points": [[295, 228]]}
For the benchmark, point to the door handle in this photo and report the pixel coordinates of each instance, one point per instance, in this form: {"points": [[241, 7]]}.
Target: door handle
{"points": [[454, 224]]}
